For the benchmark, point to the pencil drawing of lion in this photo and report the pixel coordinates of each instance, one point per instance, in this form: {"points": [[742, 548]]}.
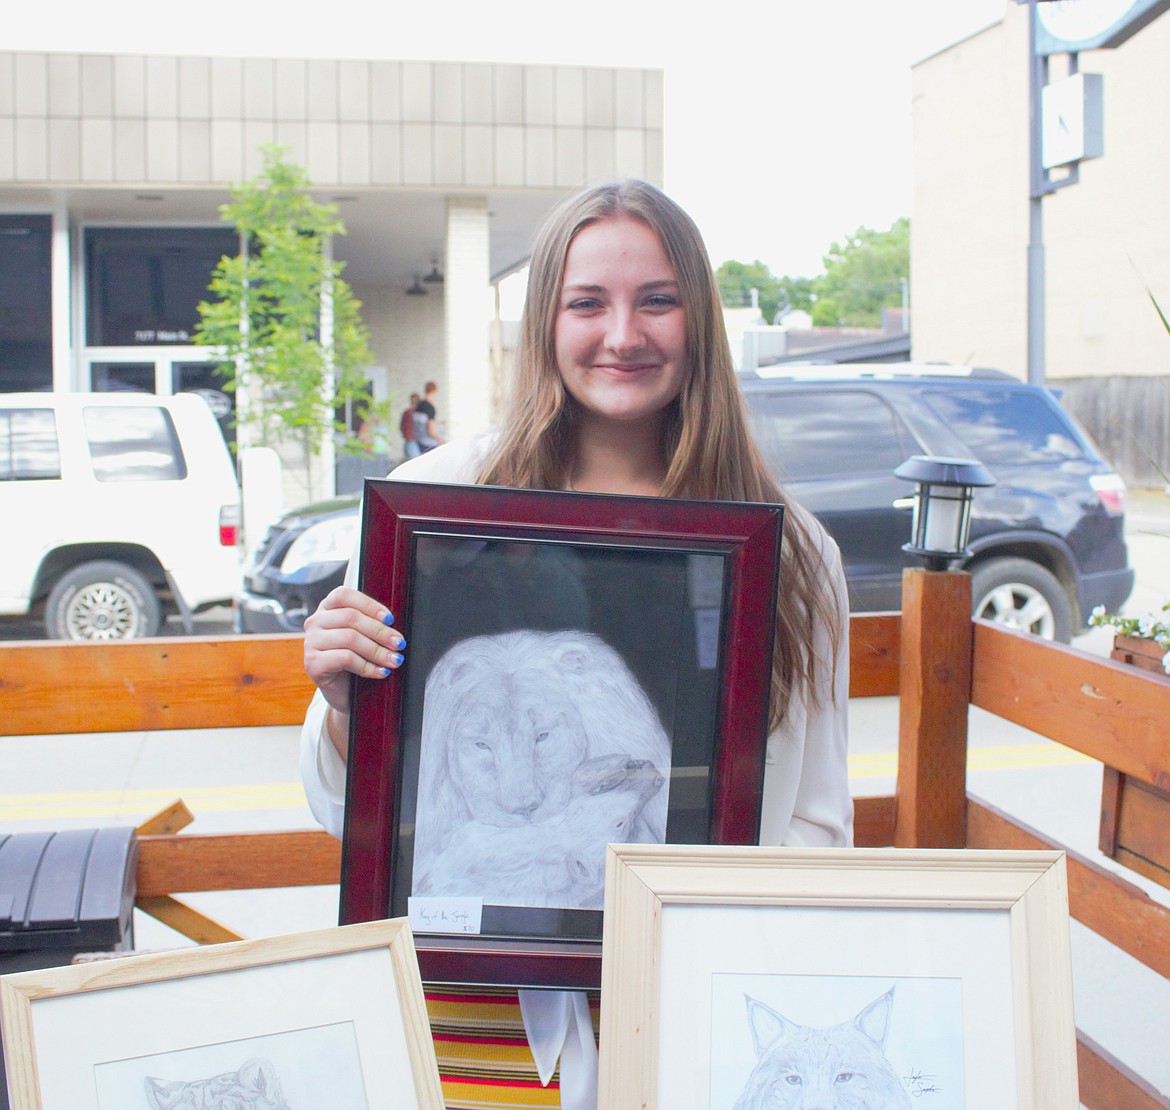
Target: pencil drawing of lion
{"points": [[508, 719], [559, 862], [842, 1067]]}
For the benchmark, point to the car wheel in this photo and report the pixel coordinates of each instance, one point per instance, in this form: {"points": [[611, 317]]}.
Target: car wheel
{"points": [[103, 600], [1024, 595]]}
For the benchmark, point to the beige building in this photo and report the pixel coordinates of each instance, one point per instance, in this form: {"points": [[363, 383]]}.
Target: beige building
{"points": [[1107, 238], [112, 169]]}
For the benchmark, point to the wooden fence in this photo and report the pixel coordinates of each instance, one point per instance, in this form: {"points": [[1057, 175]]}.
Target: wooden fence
{"points": [[934, 657]]}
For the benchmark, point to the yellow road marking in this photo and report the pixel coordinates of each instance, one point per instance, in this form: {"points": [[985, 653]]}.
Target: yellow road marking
{"points": [[133, 804], [123, 803], [1007, 758]]}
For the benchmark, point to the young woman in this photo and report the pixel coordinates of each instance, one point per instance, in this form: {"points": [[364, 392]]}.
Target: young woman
{"points": [[624, 385]]}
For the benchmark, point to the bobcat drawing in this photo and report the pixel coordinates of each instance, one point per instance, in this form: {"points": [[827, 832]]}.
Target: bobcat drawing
{"points": [[254, 1087], [842, 1067]]}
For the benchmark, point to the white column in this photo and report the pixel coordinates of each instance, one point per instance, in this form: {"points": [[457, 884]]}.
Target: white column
{"points": [[464, 401], [66, 357]]}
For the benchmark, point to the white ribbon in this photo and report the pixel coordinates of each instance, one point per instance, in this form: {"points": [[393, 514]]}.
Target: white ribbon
{"points": [[558, 1025]]}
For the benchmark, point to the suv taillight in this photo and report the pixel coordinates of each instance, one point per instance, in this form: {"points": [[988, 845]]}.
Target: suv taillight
{"points": [[1111, 490], [229, 525]]}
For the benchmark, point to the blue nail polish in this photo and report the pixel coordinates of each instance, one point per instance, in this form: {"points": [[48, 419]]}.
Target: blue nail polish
{"points": [[388, 618], [402, 643], [397, 660], [385, 672]]}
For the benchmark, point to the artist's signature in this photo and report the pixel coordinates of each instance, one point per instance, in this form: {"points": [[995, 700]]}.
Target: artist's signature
{"points": [[920, 1083]]}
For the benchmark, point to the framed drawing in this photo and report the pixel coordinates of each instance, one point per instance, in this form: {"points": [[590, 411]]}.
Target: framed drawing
{"points": [[330, 1018], [580, 670], [735, 976]]}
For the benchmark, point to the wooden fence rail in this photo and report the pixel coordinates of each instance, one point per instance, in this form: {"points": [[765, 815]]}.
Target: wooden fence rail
{"points": [[934, 657]]}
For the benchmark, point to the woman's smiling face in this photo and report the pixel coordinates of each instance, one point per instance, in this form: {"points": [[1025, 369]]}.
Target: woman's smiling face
{"points": [[621, 326]]}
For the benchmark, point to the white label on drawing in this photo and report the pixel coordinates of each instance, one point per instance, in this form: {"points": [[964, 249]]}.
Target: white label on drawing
{"points": [[444, 915]]}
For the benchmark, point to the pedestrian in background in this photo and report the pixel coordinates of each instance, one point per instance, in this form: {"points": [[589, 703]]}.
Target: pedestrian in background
{"points": [[406, 426], [426, 424]]}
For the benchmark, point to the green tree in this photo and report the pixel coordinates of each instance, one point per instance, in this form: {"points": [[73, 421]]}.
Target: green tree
{"points": [[777, 295], [289, 328], [863, 275]]}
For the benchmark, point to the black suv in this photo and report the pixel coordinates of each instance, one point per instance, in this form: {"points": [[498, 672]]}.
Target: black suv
{"points": [[1047, 540]]}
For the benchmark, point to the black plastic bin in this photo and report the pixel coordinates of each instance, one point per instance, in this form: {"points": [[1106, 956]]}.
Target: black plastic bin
{"points": [[61, 894]]}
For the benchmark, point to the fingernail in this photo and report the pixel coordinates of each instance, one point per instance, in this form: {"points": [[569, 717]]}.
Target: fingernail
{"points": [[385, 671], [388, 618], [401, 642], [396, 660]]}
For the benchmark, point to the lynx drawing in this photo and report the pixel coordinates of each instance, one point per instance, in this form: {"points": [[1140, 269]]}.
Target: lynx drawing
{"points": [[254, 1086], [842, 1067]]}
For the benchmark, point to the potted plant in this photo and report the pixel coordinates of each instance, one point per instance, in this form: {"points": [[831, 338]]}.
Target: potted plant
{"points": [[1141, 641]]}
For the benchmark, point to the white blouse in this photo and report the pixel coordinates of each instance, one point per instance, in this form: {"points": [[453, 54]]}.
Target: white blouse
{"points": [[806, 787]]}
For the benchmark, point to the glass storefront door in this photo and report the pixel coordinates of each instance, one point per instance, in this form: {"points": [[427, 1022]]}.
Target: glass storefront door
{"points": [[118, 377], [162, 370], [206, 380]]}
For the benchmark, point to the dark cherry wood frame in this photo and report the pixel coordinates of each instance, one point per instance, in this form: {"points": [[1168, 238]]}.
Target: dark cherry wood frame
{"points": [[746, 535]]}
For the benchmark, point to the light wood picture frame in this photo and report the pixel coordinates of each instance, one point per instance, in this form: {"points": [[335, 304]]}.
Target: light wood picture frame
{"points": [[943, 975], [334, 1017]]}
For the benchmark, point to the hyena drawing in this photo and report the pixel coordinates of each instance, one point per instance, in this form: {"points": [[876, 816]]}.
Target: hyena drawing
{"points": [[254, 1086], [842, 1067]]}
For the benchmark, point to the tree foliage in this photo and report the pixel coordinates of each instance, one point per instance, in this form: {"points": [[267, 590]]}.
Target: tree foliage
{"points": [[863, 275], [291, 366], [777, 295]]}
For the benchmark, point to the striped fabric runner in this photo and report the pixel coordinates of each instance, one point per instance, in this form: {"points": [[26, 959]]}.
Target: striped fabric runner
{"points": [[483, 1054]]}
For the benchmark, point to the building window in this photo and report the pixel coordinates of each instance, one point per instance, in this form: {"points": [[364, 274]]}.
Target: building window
{"points": [[143, 284], [26, 304]]}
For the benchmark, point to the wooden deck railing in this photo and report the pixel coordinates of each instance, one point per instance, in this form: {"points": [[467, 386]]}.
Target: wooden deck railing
{"points": [[934, 657]]}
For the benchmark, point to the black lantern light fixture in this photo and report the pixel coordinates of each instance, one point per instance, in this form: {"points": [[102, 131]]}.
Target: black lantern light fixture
{"points": [[942, 506], [417, 289], [434, 277]]}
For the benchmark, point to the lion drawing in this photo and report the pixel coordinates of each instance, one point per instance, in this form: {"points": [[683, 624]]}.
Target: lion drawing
{"points": [[507, 721], [559, 862]]}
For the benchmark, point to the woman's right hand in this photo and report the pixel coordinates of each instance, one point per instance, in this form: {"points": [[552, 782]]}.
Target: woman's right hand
{"points": [[350, 634]]}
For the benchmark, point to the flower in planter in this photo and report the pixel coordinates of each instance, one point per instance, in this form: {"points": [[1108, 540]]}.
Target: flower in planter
{"points": [[1155, 627]]}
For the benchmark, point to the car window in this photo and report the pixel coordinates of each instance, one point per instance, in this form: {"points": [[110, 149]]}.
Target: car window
{"points": [[1006, 426], [822, 434], [133, 443], [28, 445]]}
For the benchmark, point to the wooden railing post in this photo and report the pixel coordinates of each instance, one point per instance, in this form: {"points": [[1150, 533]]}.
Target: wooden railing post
{"points": [[935, 693]]}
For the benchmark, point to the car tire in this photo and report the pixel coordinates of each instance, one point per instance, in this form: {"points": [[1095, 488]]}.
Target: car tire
{"points": [[1023, 595], [102, 600]]}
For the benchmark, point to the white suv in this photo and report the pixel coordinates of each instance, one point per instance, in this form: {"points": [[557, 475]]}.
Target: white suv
{"points": [[118, 509]]}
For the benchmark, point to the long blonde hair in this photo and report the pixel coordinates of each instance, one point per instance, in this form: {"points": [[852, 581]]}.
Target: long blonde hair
{"points": [[706, 443]]}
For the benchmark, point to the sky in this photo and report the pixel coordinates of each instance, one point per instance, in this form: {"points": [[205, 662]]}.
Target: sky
{"points": [[787, 122]]}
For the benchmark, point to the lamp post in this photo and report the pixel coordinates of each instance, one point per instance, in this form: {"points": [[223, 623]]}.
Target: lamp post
{"points": [[942, 506], [934, 675]]}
